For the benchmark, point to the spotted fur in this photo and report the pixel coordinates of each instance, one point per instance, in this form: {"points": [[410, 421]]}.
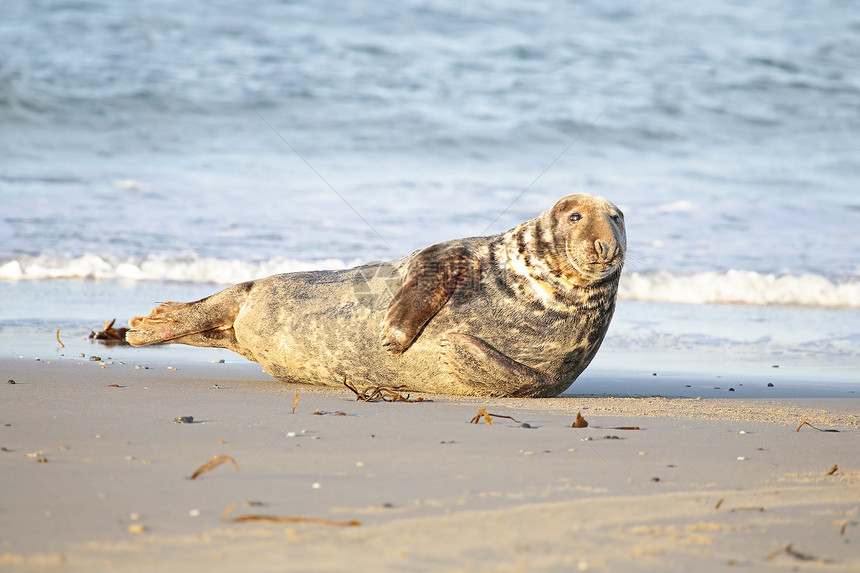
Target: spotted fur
{"points": [[521, 313]]}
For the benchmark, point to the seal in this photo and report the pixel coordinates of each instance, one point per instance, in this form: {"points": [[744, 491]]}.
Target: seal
{"points": [[521, 313]]}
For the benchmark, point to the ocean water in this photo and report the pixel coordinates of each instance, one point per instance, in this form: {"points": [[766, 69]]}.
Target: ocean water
{"points": [[162, 150]]}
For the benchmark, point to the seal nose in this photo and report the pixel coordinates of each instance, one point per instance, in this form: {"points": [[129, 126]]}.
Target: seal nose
{"points": [[605, 250]]}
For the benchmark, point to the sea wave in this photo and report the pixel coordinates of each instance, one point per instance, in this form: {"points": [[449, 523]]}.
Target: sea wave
{"points": [[188, 268], [741, 287], [712, 287]]}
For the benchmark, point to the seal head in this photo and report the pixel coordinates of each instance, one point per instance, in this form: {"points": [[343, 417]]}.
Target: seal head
{"points": [[569, 254], [592, 236]]}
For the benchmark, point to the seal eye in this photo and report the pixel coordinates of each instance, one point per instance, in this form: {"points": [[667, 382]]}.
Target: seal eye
{"points": [[574, 217], [616, 218]]}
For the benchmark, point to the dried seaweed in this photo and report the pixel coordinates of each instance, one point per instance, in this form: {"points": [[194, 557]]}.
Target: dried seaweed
{"points": [[379, 393], [482, 413], [719, 503], [109, 335], [805, 423], [212, 464], [328, 413], [295, 402], [283, 518], [58, 339], [833, 470], [788, 550], [580, 422], [227, 511], [294, 519]]}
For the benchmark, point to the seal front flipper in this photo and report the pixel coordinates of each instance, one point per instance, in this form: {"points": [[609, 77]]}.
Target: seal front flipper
{"points": [[489, 372], [431, 278]]}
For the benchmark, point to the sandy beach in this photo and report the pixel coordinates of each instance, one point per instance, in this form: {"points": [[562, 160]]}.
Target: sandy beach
{"points": [[96, 476], [164, 151]]}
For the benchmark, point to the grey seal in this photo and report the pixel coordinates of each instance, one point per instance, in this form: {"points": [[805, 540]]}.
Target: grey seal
{"points": [[520, 313]]}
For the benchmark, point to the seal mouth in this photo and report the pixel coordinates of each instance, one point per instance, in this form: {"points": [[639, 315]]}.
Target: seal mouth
{"points": [[598, 263]]}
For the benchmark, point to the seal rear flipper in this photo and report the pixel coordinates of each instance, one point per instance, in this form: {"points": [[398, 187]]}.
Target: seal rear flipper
{"points": [[187, 322], [431, 278], [479, 365], [216, 338]]}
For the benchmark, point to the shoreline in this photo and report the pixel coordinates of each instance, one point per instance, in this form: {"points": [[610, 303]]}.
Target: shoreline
{"points": [[431, 490]]}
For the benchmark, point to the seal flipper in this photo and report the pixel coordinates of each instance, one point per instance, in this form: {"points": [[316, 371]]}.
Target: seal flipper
{"points": [[195, 323], [491, 373], [431, 278]]}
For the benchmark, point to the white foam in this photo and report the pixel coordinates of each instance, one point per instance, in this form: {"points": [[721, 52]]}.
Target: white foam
{"points": [[741, 287], [682, 206], [157, 268], [731, 287], [132, 185]]}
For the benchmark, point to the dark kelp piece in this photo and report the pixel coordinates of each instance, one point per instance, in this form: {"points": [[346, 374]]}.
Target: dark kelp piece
{"points": [[380, 393], [109, 335], [482, 413], [805, 423]]}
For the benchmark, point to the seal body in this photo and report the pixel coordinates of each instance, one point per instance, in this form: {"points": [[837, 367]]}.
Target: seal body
{"points": [[520, 313]]}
